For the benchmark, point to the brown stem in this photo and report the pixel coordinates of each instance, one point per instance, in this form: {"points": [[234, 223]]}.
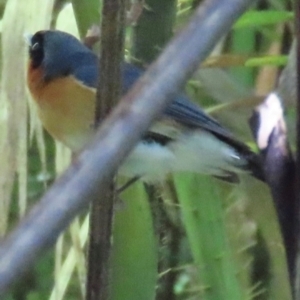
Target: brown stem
{"points": [[108, 93]]}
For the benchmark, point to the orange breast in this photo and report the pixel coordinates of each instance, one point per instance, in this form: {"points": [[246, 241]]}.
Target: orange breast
{"points": [[66, 108]]}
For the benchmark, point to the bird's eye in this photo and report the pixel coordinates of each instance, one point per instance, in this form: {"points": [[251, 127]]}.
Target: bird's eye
{"points": [[36, 51], [35, 47]]}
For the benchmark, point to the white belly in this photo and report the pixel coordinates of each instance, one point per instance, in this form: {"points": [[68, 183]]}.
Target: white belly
{"points": [[199, 152], [148, 160]]}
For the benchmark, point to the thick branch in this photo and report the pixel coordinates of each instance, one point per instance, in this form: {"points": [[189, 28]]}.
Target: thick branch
{"points": [[95, 166]]}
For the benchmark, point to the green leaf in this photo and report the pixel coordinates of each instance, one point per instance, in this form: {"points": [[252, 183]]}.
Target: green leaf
{"points": [[261, 209], [204, 220], [262, 18], [87, 13], [134, 258], [274, 60]]}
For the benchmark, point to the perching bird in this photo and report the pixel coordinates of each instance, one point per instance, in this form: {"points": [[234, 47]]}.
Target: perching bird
{"points": [[62, 79]]}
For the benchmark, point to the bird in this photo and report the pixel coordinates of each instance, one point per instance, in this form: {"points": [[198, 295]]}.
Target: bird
{"points": [[62, 77]]}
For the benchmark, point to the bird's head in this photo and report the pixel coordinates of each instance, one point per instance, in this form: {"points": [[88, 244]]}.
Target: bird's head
{"points": [[58, 53]]}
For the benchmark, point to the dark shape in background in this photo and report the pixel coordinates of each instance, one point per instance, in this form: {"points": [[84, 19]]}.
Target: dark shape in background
{"points": [[269, 130]]}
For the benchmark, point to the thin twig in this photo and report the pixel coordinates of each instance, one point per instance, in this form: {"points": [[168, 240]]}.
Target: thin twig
{"points": [[93, 168], [127, 184]]}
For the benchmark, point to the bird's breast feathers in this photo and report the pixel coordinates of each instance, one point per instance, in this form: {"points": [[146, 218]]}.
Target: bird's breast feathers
{"points": [[65, 107]]}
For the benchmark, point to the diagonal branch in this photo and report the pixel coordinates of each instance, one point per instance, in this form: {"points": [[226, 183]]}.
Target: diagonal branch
{"points": [[95, 166]]}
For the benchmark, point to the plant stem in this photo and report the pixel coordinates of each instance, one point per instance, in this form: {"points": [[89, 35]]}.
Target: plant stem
{"points": [[108, 93]]}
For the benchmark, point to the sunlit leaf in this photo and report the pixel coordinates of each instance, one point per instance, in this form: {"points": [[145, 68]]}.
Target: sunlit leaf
{"points": [[278, 60], [262, 18]]}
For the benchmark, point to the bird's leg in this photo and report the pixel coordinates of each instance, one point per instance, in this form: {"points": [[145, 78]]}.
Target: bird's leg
{"points": [[119, 204], [127, 184]]}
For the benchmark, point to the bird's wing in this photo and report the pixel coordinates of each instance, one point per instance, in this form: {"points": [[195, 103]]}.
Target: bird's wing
{"points": [[181, 112]]}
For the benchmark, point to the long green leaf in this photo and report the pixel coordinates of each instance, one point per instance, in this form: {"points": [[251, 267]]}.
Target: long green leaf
{"points": [[203, 217], [262, 18], [134, 258], [262, 210]]}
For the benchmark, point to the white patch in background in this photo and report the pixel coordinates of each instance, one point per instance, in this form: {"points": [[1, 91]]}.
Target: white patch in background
{"points": [[27, 38], [271, 113]]}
